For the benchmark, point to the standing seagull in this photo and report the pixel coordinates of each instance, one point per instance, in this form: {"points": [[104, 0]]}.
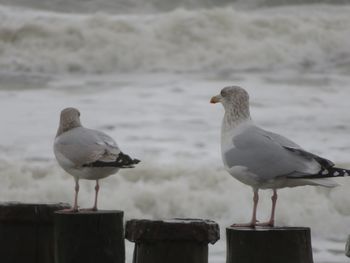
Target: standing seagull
{"points": [[265, 160], [87, 154]]}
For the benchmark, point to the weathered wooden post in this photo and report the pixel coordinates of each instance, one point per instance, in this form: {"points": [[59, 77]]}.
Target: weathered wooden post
{"points": [[26, 232], [269, 245], [172, 241], [89, 237], [347, 247]]}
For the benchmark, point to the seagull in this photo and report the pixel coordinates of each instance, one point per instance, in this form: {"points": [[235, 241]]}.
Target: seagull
{"points": [[86, 153], [266, 160]]}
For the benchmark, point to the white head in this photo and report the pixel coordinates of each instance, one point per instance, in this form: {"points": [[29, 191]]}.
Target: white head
{"points": [[235, 101], [69, 119]]}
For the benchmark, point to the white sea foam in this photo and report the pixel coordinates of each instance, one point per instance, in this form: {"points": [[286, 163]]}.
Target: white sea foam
{"points": [[214, 40], [168, 191], [168, 123], [177, 190]]}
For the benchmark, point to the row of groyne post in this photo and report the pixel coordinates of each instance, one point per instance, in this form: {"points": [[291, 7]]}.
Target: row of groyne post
{"points": [[43, 233]]}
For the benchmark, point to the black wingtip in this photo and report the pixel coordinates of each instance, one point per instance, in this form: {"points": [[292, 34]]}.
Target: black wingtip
{"points": [[123, 161], [132, 164], [136, 161], [329, 173]]}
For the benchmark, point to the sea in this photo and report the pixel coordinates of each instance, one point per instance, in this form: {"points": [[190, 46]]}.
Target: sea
{"points": [[143, 71]]}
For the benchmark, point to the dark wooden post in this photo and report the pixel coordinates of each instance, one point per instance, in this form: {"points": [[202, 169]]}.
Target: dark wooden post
{"points": [[89, 237], [347, 247], [172, 241], [26, 232], [269, 245]]}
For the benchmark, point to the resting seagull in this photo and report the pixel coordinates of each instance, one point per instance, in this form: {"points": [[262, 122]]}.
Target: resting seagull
{"points": [[87, 154], [266, 160]]}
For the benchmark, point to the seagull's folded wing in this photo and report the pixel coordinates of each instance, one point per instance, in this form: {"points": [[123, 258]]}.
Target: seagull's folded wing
{"points": [[264, 154], [83, 146]]}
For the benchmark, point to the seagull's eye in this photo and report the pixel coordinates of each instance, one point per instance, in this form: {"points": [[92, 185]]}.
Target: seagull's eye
{"points": [[223, 93]]}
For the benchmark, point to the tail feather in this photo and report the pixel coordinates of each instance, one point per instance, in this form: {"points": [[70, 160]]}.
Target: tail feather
{"points": [[325, 182], [322, 182], [122, 161]]}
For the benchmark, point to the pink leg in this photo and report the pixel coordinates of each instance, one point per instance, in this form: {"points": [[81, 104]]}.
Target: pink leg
{"points": [[256, 200], [271, 222], [75, 206], [274, 201], [94, 208], [97, 188], [253, 221]]}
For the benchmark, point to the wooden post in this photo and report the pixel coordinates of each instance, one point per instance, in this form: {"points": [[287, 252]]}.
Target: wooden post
{"points": [[26, 232], [347, 247], [172, 241], [89, 237], [269, 245]]}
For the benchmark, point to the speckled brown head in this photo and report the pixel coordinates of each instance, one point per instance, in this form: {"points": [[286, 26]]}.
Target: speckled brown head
{"points": [[235, 101]]}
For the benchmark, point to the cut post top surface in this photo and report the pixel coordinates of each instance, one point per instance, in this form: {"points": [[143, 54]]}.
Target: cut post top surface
{"points": [[264, 229], [29, 212], [178, 229], [85, 218], [88, 212]]}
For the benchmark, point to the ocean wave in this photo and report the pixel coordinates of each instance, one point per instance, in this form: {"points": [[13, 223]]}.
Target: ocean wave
{"points": [[154, 190], [152, 6], [213, 40]]}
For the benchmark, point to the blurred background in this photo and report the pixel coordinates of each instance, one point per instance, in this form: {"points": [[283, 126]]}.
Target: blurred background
{"points": [[144, 71]]}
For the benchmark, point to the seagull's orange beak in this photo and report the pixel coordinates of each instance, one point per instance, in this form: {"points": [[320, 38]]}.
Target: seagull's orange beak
{"points": [[215, 99]]}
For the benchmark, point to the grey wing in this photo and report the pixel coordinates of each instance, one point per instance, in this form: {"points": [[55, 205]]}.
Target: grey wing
{"points": [[296, 149], [111, 149], [82, 146], [264, 154], [283, 141]]}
